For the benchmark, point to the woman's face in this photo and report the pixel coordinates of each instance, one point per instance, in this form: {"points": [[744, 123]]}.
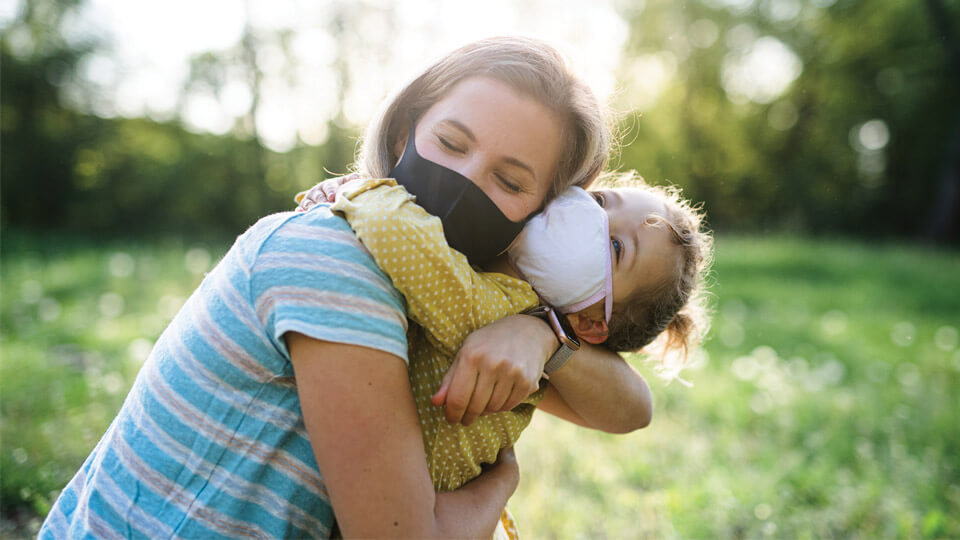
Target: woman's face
{"points": [[506, 143]]}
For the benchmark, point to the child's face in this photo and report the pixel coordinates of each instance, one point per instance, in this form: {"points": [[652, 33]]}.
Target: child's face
{"points": [[642, 250]]}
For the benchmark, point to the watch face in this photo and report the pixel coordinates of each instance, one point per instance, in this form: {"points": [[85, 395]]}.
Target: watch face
{"points": [[567, 329]]}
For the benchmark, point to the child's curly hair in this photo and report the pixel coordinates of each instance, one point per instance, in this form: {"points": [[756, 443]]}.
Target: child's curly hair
{"points": [[671, 318]]}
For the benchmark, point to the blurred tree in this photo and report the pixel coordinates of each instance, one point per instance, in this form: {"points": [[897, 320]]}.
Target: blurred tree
{"points": [[857, 143], [40, 139], [807, 115], [68, 170], [947, 201]]}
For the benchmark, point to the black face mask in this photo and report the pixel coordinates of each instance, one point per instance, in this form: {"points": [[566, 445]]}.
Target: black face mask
{"points": [[472, 223]]}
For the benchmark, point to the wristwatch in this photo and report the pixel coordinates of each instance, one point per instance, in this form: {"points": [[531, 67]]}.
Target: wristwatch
{"points": [[569, 343]]}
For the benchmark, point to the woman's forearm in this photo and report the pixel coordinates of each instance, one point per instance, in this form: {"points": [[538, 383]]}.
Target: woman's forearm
{"points": [[360, 415], [479, 502], [602, 391]]}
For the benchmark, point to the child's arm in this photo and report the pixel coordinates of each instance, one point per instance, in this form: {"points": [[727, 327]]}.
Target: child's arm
{"points": [[445, 295], [597, 388]]}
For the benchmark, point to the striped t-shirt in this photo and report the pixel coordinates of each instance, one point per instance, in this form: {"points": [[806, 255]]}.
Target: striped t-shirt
{"points": [[210, 441]]}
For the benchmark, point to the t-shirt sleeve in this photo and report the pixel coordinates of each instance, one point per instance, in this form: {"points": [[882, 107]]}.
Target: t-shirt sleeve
{"points": [[311, 275], [444, 294]]}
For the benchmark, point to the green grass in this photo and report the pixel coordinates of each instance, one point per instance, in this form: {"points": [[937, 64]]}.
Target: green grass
{"points": [[824, 404]]}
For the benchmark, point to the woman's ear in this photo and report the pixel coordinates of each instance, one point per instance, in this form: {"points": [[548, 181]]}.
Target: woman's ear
{"points": [[401, 141], [589, 326]]}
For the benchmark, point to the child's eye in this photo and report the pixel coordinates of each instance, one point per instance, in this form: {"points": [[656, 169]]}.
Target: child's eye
{"points": [[617, 248], [597, 196]]}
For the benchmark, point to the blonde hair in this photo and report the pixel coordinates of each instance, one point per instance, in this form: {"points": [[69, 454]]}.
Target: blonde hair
{"points": [[670, 318], [529, 66]]}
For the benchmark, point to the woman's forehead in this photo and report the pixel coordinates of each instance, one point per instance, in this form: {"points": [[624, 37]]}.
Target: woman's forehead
{"points": [[507, 123]]}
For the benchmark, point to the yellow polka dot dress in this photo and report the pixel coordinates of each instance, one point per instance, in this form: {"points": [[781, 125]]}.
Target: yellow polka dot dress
{"points": [[446, 299]]}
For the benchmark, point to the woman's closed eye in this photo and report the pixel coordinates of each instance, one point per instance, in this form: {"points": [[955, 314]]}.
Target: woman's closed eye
{"points": [[449, 145], [508, 184]]}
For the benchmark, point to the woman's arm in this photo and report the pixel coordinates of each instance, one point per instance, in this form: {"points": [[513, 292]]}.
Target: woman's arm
{"points": [[359, 413]]}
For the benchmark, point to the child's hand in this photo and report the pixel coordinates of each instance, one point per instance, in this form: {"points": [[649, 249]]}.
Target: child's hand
{"points": [[497, 367], [324, 192]]}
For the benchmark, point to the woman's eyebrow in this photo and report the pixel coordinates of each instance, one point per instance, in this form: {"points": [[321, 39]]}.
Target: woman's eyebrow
{"points": [[461, 126], [517, 163], [469, 134]]}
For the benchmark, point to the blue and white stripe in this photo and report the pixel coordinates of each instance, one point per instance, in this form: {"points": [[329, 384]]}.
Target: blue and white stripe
{"points": [[210, 442]]}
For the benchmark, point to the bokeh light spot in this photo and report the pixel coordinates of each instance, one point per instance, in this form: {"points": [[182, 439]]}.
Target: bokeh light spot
{"points": [[121, 264], [31, 291], [731, 334], [48, 309], [946, 338], [745, 368], [140, 348], [903, 333], [762, 511], [169, 305], [761, 73], [874, 134], [833, 322], [111, 305], [908, 374], [703, 33], [197, 260]]}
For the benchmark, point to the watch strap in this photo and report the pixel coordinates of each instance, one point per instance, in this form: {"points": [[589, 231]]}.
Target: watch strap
{"points": [[558, 359]]}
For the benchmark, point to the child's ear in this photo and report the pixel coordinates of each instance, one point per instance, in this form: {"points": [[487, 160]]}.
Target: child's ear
{"points": [[591, 328]]}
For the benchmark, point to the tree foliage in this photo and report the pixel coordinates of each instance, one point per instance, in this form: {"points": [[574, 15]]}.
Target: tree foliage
{"points": [[786, 161], [862, 60]]}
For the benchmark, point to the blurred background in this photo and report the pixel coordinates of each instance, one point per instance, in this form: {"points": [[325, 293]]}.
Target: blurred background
{"points": [[821, 136]]}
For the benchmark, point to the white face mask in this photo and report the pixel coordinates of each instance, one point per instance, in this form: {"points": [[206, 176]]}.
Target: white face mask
{"points": [[564, 253]]}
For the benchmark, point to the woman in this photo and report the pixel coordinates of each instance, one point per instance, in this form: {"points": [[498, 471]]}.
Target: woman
{"points": [[211, 441]]}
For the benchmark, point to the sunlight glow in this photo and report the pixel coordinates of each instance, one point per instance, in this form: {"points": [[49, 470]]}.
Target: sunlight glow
{"points": [[315, 57], [761, 73]]}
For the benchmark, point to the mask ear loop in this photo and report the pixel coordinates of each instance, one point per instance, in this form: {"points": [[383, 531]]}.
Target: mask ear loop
{"points": [[608, 298]]}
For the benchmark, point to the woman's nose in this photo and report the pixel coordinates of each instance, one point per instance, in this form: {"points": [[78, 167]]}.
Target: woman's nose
{"points": [[472, 169]]}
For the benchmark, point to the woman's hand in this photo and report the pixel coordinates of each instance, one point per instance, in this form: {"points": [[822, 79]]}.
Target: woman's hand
{"points": [[497, 367], [324, 192]]}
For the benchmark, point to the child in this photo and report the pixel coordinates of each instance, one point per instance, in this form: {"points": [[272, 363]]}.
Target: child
{"points": [[623, 265]]}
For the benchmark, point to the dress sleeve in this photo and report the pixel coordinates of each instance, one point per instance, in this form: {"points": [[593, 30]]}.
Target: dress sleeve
{"points": [[444, 294]]}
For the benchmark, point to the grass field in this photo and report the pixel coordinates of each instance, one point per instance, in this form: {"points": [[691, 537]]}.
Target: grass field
{"points": [[825, 403]]}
